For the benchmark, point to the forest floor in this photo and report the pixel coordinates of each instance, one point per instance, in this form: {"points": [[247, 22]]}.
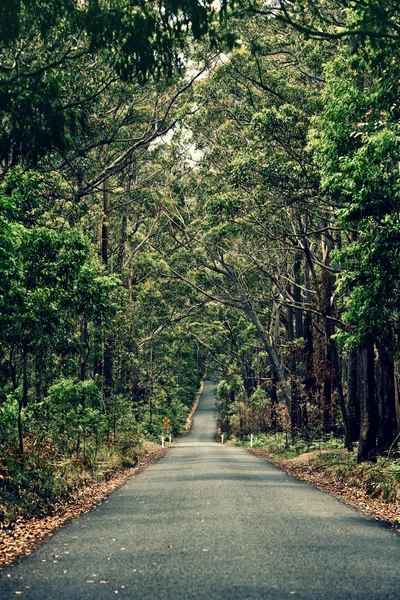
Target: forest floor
{"points": [[26, 533], [372, 488]]}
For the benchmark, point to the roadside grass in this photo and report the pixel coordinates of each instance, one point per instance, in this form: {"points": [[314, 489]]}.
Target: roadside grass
{"points": [[380, 480], [326, 462]]}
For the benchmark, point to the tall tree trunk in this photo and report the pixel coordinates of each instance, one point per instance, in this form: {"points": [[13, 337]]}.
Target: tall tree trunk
{"points": [[326, 293], [353, 399], [124, 224], [25, 380], [106, 215], [339, 386], [310, 379], [84, 341], [295, 419], [107, 370], [274, 405], [107, 349], [387, 431], [298, 314], [397, 393], [368, 414]]}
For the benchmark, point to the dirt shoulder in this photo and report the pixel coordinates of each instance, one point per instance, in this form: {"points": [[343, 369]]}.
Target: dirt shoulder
{"points": [[362, 486], [27, 533]]}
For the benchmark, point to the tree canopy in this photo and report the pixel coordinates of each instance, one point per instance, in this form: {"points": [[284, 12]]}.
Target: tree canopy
{"points": [[186, 189]]}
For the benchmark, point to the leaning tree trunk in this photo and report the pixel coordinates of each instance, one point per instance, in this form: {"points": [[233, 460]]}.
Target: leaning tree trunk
{"points": [[272, 355]]}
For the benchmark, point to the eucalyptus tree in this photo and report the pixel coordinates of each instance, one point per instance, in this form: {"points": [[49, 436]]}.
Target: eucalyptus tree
{"points": [[356, 141], [85, 89], [260, 218]]}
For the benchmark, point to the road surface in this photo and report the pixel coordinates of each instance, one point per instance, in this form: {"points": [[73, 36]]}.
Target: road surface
{"points": [[213, 522]]}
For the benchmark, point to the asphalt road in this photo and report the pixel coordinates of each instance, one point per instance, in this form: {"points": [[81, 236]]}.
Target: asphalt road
{"points": [[213, 522]]}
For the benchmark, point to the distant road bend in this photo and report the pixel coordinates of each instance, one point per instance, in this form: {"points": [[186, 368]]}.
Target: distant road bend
{"points": [[213, 522]]}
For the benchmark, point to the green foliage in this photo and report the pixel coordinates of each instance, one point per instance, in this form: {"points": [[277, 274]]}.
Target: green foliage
{"points": [[356, 143]]}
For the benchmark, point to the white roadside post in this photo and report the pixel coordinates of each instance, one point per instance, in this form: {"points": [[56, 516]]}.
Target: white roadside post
{"points": [[162, 440], [222, 438], [251, 441], [165, 429]]}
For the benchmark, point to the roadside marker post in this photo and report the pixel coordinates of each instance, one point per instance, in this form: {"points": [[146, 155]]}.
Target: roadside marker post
{"points": [[166, 428], [222, 438], [251, 441]]}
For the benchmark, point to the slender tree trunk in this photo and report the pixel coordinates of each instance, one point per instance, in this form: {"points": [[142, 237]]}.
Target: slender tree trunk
{"points": [[84, 341], [339, 386], [298, 314], [20, 430], [295, 419], [25, 380], [124, 224], [107, 350], [14, 380], [23, 403], [106, 211], [272, 355], [326, 293], [107, 370], [274, 405], [310, 379], [353, 400], [396, 393]]}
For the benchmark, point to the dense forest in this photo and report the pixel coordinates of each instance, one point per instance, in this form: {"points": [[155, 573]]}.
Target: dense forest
{"points": [[184, 188]]}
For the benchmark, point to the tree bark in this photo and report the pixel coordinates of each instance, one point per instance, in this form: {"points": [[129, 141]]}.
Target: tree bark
{"points": [[388, 428], [339, 386], [368, 414], [298, 315], [107, 349], [353, 400], [124, 224]]}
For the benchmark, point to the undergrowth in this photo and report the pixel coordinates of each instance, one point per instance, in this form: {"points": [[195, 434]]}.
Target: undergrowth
{"points": [[45, 478], [328, 458]]}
